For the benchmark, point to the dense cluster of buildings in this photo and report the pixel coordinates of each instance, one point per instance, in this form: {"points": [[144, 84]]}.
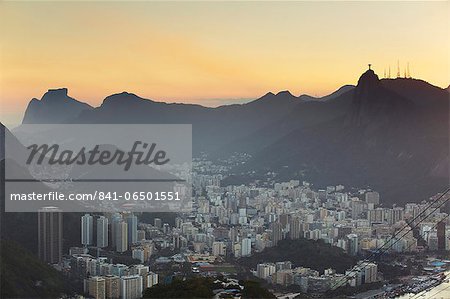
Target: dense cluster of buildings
{"points": [[103, 280], [314, 282], [249, 218], [119, 231], [236, 221]]}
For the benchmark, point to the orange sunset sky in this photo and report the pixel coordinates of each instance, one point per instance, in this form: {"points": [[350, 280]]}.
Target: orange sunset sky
{"points": [[211, 52]]}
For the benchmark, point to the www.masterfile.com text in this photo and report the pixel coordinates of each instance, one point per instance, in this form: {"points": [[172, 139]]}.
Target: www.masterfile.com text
{"points": [[97, 195]]}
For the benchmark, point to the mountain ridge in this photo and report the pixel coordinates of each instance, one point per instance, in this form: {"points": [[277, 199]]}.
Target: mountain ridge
{"points": [[52, 94], [60, 93], [382, 146], [55, 106], [395, 124]]}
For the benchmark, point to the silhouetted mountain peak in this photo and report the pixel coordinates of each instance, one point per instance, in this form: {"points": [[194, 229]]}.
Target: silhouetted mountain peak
{"points": [[126, 94], [55, 106], [369, 90], [269, 94], [368, 81], [55, 94], [285, 93], [374, 105], [124, 98], [283, 97], [33, 101], [381, 131]]}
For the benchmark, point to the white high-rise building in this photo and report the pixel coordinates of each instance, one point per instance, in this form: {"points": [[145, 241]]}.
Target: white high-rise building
{"points": [[218, 248], [102, 232], [265, 270], [115, 218], [370, 272], [152, 279], [139, 254], [131, 287], [237, 250], [121, 231], [295, 228], [95, 287], [353, 244], [87, 229], [246, 247]]}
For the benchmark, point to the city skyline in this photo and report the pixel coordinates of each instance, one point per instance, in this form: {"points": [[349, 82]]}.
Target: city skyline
{"points": [[225, 149], [351, 221], [228, 53]]}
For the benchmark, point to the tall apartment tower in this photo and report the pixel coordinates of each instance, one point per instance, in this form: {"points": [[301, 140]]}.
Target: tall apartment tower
{"points": [[277, 232], [441, 235], [95, 287], [246, 247], [115, 218], [353, 244], [121, 231], [112, 287], [157, 222], [132, 229], [102, 232], [50, 223], [295, 228], [87, 229], [131, 286], [372, 197]]}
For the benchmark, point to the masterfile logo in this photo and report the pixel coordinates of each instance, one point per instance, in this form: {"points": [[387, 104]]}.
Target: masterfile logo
{"points": [[147, 156], [100, 168]]}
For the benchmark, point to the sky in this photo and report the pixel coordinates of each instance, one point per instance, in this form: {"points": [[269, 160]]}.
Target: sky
{"points": [[211, 53]]}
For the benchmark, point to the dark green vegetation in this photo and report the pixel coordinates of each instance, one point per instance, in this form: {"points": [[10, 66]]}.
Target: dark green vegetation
{"points": [[252, 289], [116, 257], [23, 227], [312, 254], [392, 272], [201, 287], [190, 288], [25, 276]]}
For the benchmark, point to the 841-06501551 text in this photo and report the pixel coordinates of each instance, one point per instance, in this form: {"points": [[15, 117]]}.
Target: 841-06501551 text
{"points": [[98, 195]]}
